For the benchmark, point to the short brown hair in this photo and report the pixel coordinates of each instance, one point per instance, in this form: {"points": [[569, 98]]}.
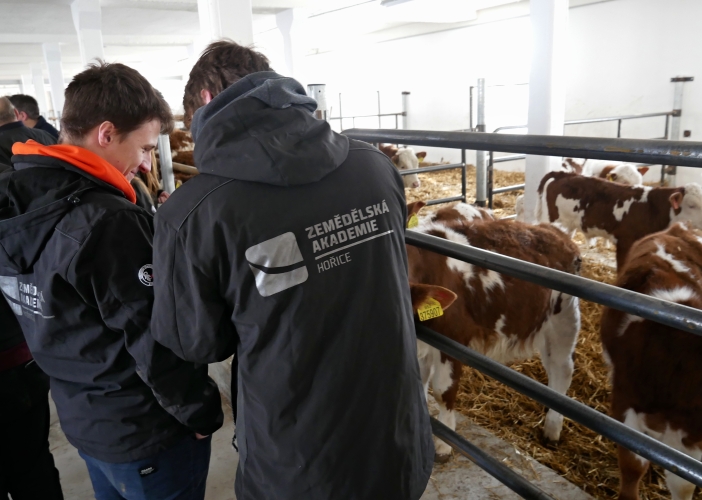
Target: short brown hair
{"points": [[27, 104], [222, 63], [115, 93]]}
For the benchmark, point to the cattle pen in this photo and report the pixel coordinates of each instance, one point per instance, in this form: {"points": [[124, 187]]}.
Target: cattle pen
{"points": [[660, 311]]}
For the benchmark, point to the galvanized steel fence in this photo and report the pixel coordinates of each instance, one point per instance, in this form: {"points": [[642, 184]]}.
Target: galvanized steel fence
{"points": [[674, 315]]}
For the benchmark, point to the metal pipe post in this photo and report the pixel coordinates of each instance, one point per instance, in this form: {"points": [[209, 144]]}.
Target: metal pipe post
{"points": [[380, 124], [341, 114], [619, 129], [405, 110], [463, 176], [490, 178], [480, 168], [318, 91], [166, 163], [679, 82]]}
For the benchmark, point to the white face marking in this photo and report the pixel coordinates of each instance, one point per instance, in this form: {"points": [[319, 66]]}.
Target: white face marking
{"points": [[691, 207], [678, 266], [407, 160], [627, 174], [678, 294]]}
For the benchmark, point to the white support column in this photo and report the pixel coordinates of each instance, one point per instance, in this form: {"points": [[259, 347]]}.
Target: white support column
{"points": [[52, 58], [291, 24], [39, 90], [225, 19], [27, 85], [87, 19], [549, 25]]}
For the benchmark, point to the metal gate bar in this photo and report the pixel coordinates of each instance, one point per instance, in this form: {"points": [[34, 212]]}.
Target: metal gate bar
{"points": [[670, 314], [437, 168], [489, 464], [653, 151], [678, 463]]}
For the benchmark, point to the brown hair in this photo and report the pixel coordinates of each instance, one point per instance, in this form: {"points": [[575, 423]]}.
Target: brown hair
{"points": [[115, 93], [221, 64], [26, 103]]}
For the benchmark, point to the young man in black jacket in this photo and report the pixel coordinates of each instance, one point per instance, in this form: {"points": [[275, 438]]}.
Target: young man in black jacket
{"points": [[76, 271], [12, 130], [28, 111], [288, 250]]}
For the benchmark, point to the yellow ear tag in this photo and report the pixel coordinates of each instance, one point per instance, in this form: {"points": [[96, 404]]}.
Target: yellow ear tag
{"points": [[430, 309], [413, 221]]}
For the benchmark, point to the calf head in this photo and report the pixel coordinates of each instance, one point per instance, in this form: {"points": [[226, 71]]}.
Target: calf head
{"points": [[405, 159], [686, 205], [624, 174]]}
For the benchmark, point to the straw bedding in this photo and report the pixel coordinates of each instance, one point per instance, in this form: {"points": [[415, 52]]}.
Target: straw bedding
{"points": [[582, 456]]}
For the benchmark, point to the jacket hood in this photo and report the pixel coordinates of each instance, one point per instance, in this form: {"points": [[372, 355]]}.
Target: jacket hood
{"points": [[262, 129]]}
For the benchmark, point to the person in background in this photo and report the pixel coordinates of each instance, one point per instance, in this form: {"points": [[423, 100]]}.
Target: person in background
{"points": [[76, 272], [28, 113], [147, 187], [12, 130], [288, 249], [27, 470]]}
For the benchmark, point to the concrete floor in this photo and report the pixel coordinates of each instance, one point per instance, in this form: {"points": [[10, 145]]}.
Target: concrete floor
{"points": [[459, 479]]}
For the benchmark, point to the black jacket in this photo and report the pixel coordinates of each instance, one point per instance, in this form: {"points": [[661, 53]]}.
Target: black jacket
{"points": [[288, 249], [42, 124], [75, 267], [11, 133]]}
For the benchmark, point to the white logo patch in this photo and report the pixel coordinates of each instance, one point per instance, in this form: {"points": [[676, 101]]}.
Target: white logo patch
{"points": [[146, 275], [277, 264]]}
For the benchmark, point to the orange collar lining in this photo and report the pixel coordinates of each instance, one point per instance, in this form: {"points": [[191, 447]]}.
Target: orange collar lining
{"points": [[81, 158]]}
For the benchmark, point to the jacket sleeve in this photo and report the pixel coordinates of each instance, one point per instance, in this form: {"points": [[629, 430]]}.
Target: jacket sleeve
{"points": [[191, 317], [114, 270]]}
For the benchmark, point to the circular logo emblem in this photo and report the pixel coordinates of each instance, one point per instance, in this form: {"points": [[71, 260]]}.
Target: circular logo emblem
{"points": [[146, 275]]}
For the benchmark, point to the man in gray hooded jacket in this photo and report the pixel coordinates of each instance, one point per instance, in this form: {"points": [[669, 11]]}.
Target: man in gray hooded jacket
{"points": [[288, 251]]}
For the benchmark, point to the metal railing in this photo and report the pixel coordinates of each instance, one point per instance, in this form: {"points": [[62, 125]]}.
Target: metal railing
{"points": [[517, 187], [671, 314], [438, 168]]}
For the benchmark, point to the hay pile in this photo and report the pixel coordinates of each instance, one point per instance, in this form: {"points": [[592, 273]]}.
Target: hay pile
{"points": [[446, 183], [583, 457]]}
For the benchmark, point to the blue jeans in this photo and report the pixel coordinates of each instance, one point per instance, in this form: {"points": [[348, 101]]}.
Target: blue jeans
{"points": [[178, 473]]}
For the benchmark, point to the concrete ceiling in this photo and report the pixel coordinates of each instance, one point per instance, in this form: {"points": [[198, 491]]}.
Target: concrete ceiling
{"points": [[155, 35]]}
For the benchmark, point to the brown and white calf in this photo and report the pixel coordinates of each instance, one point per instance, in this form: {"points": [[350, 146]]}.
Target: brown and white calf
{"points": [[502, 317], [620, 213], [404, 159], [655, 369], [628, 173]]}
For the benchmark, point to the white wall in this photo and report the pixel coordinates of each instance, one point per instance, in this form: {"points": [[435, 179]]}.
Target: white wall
{"points": [[624, 53]]}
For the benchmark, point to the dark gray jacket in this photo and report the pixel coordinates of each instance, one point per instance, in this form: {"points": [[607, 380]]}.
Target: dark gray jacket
{"points": [[11, 133], [75, 268], [288, 250]]}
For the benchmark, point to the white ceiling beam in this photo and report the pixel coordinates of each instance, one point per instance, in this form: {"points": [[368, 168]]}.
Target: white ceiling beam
{"points": [[52, 58], [225, 19], [87, 19], [39, 89]]}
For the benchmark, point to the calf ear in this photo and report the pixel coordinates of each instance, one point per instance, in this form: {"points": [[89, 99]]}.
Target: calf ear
{"points": [[395, 159], [422, 293], [643, 170], [421, 155], [414, 208], [676, 200]]}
